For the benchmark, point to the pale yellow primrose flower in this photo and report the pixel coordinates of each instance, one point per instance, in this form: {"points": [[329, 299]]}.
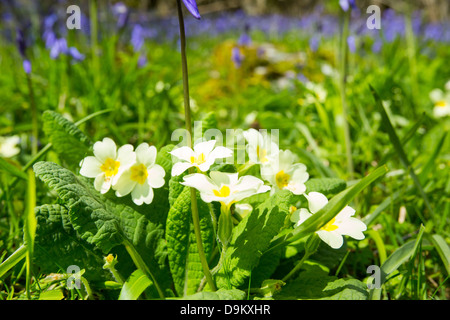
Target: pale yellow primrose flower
{"points": [[8, 146], [106, 163], [441, 102], [202, 156], [141, 177], [282, 173], [225, 188], [260, 148], [344, 224]]}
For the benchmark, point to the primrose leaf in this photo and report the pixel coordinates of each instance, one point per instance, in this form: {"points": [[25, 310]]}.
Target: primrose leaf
{"points": [[68, 141], [57, 246], [251, 237], [184, 260], [107, 221], [221, 294]]}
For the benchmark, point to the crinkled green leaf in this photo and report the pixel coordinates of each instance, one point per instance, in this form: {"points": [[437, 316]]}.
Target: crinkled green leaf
{"points": [[58, 246], [184, 259], [106, 221], [67, 139], [314, 283], [251, 237], [221, 294]]}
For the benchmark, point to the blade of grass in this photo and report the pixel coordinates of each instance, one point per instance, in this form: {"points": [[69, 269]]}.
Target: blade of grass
{"points": [[400, 151], [11, 169], [431, 160], [442, 249], [30, 226], [134, 286], [13, 259]]}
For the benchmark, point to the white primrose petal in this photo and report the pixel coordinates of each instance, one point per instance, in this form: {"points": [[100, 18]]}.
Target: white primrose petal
{"points": [[199, 181], [183, 153], [156, 176], [253, 137], [105, 149], [220, 152], [142, 193], [180, 167], [332, 238], [345, 214], [90, 167], [146, 154], [223, 178], [353, 228], [316, 201], [296, 188], [124, 185], [126, 156], [303, 214], [204, 147], [102, 183], [205, 165]]}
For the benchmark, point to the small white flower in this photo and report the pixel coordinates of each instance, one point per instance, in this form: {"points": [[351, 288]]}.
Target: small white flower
{"points": [[226, 188], [8, 146], [141, 177], [261, 149], [344, 224], [106, 163], [283, 173], [441, 102], [202, 156]]}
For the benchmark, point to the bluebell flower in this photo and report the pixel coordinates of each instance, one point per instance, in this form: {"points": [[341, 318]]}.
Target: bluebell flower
{"points": [[351, 42], [27, 66], [22, 46], [237, 57], [346, 4], [120, 11], [191, 5]]}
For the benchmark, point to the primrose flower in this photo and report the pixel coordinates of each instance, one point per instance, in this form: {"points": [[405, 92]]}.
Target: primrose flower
{"points": [[141, 177], [191, 5], [226, 188], [283, 173], [202, 156], [261, 148], [344, 224], [441, 102], [8, 146], [106, 163]]}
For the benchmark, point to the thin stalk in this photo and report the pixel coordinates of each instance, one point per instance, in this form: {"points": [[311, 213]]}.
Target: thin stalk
{"points": [[343, 90], [411, 52], [187, 113], [34, 117], [94, 40], [137, 259]]}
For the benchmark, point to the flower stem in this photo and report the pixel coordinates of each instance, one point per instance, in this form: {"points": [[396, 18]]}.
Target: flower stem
{"points": [[310, 248], [34, 117], [187, 113], [343, 89]]}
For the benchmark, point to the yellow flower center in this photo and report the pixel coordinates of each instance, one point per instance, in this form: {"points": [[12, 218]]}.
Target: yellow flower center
{"points": [[441, 104], [109, 258], [223, 192], [262, 154], [110, 167], [199, 160], [330, 226], [282, 179], [139, 173]]}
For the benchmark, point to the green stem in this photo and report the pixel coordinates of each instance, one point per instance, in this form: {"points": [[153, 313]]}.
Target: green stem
{"points": [[310, 248], [94, 39], [187, 112], [343, 89], [34, 117], [137, 259]]}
